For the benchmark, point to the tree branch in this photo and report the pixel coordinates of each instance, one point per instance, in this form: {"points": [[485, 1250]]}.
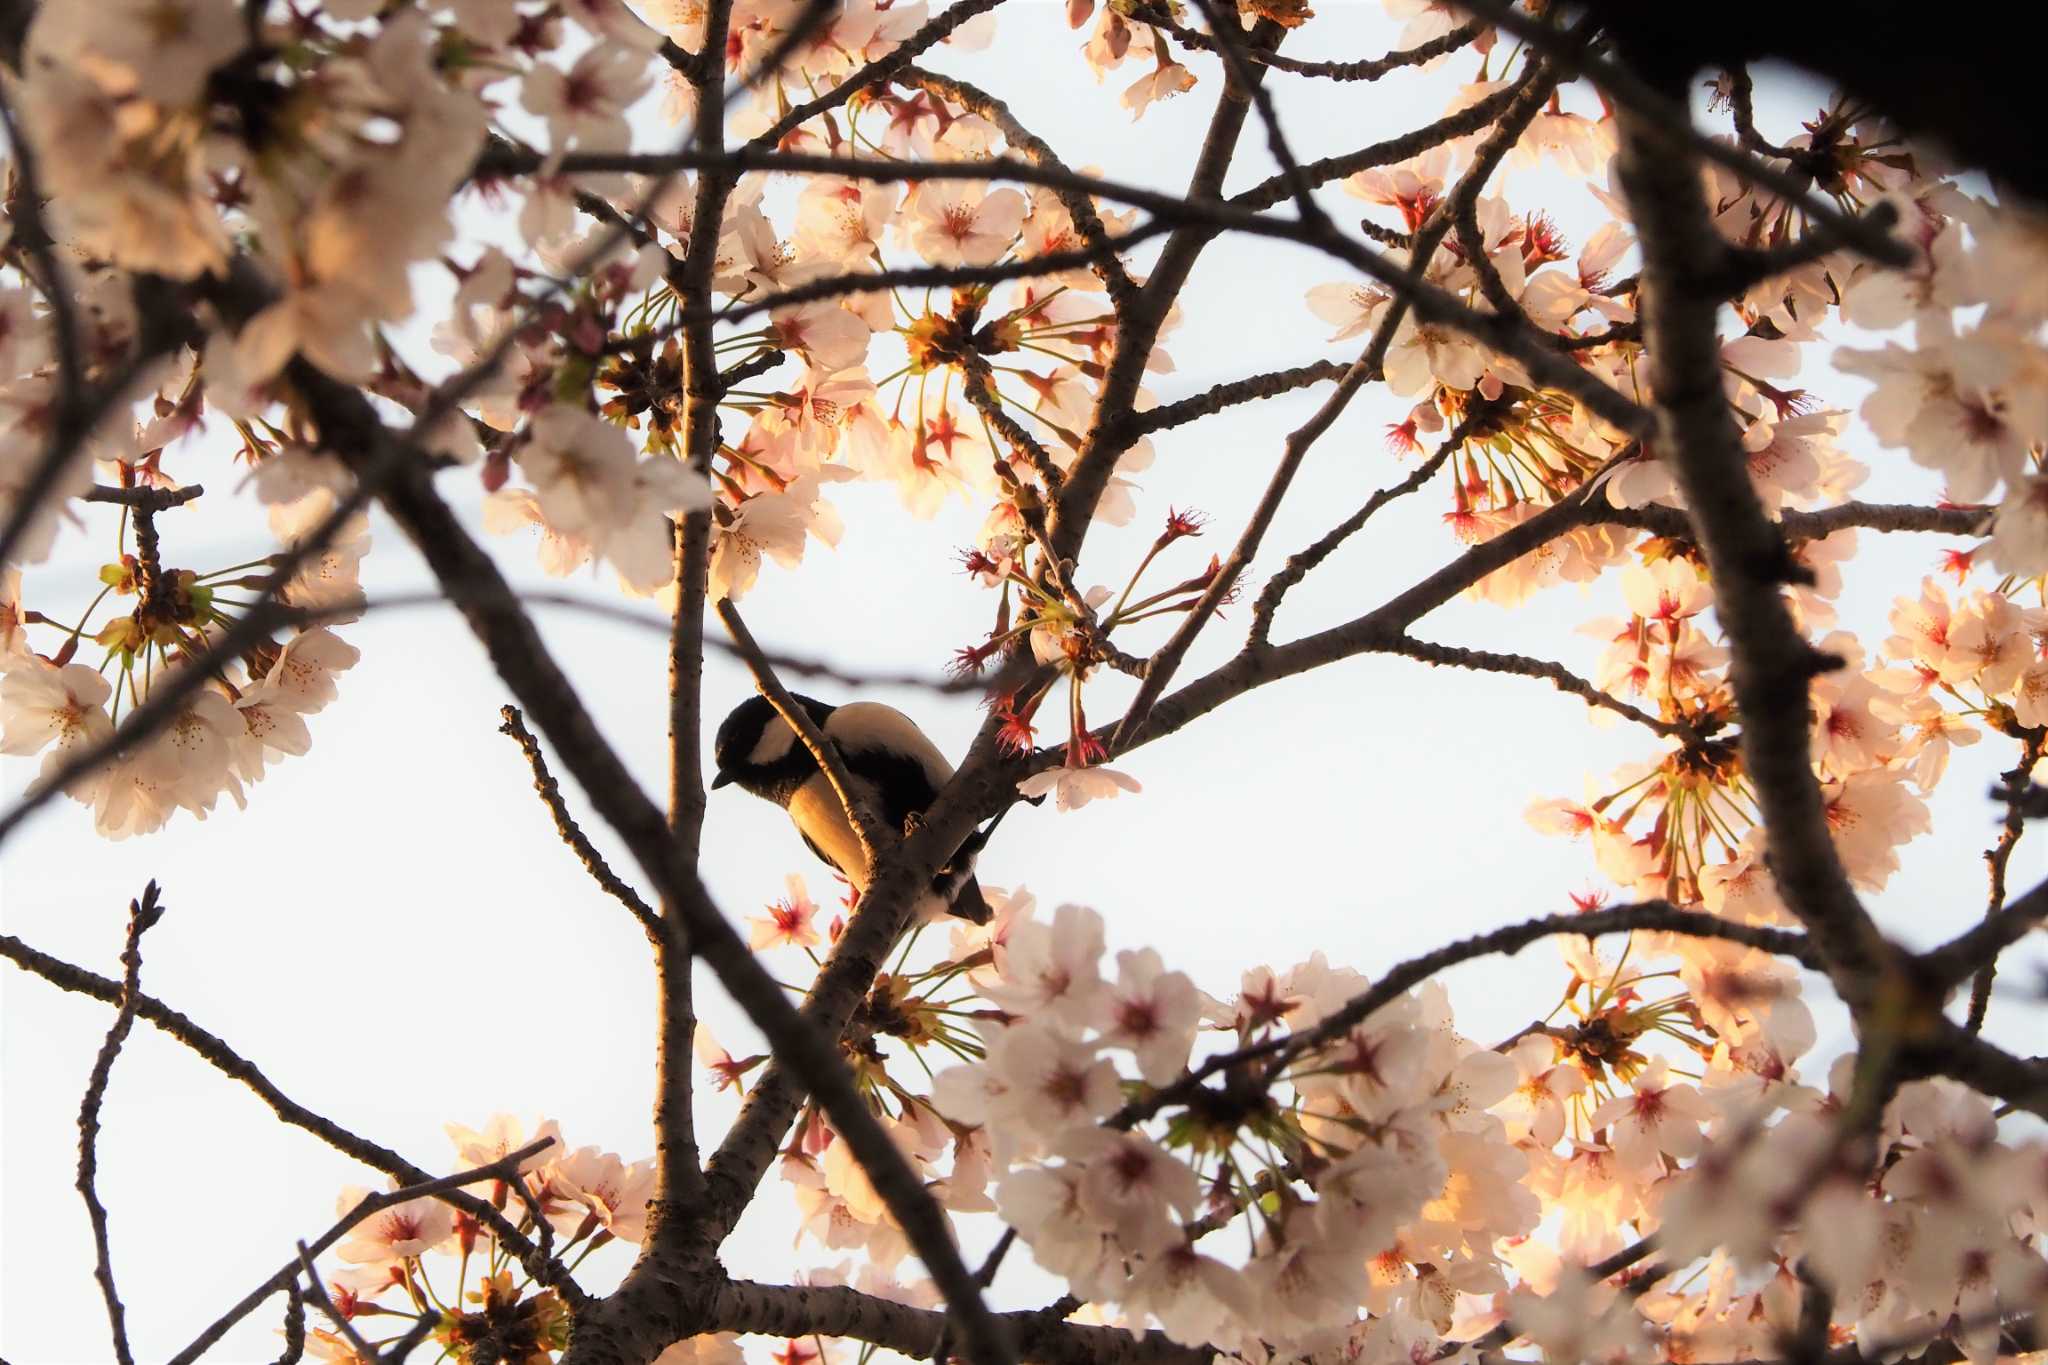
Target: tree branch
{"points": [[142, 915], [1088, 222], [473, 581], [1214, 400], [1197, 214], [2003, 926], [142, 497], [933, 31], [1303, 563], [514, 726], [1796, 526], [1370, 69], [1530, 92], [1487, 661], [1747, 554], [841, 1311], [25, 218], [1398, 980], [1407, 146], [1995, 861], [1667, 111], [66, 976], [858, 813]]}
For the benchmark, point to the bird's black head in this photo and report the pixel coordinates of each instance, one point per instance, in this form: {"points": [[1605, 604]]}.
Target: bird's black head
{"points": [[756, 749]]}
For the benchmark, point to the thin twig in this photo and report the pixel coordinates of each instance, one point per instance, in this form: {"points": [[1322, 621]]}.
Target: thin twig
{"points": [[67, 976], [1304, 562], [800, 665], [1227, 32], [1199, 215], [1995, 861], [1279, 1051], [981, 392], [1530, 92], [142, 914], [933, 31], [1080, 208], [513, 725], [1671, 523], [72, 423], [25, 212], [1370, 69], [1487, 661]]}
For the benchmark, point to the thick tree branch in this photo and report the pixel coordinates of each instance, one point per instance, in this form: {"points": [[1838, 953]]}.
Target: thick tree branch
{"points": [[1666, 110], [1944, 81], [674, 1234], [1747, 554], [1949, 1051], [643, 1317], [841, 1311]]}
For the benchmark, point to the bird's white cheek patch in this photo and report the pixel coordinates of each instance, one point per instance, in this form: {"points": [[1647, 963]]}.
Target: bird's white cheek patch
{"points": [[773, 745]]}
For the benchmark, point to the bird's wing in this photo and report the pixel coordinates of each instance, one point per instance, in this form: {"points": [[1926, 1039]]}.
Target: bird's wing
{"points": [[885, 746], [867, 725]]}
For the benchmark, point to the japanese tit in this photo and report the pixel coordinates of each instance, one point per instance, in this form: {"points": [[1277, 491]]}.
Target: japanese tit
{"points": [[896, 767]]}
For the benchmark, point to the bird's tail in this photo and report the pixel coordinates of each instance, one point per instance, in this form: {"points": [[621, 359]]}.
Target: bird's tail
{"points": [[954, 884], [968, 903]]}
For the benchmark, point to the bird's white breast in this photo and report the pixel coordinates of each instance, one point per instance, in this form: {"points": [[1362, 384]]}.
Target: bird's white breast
{"points": [[818, 814]]}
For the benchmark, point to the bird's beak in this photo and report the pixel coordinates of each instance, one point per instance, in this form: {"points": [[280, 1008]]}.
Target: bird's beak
{"points": [[723, 779]]}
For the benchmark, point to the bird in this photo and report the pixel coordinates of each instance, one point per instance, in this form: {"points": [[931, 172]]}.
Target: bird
{"points": [[894, 765]]}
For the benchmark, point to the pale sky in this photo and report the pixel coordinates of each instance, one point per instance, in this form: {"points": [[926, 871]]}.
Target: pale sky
{"points": [[393, 933]]}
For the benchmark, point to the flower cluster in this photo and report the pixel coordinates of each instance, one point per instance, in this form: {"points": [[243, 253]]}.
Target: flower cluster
{"points": [[395, 1267], [1403, 1189]]}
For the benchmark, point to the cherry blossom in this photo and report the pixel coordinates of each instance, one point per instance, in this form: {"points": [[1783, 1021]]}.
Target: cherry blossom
{"points": [[964, 223]]}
